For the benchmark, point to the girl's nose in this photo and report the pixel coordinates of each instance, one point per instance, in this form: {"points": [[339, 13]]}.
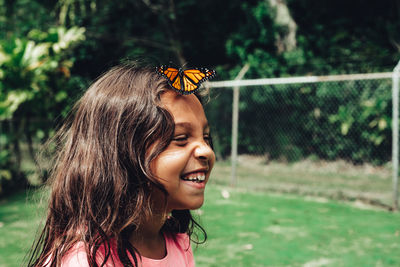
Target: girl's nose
{"points": [[203, 151]]}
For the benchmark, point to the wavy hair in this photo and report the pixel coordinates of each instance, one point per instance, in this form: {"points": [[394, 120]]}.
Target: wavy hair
{"points": [[101, 180]]}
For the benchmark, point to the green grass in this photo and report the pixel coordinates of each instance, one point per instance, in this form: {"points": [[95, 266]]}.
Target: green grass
{"points": [[334, 180], [19, 220], [278, 215], [253, 229], [257, 229]]}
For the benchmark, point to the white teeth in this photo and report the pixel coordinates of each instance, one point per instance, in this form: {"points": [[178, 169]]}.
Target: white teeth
{"points": [[195, 177]]}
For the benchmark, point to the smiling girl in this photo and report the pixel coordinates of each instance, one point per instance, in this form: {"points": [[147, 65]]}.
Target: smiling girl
{"points": [[135, 158]]}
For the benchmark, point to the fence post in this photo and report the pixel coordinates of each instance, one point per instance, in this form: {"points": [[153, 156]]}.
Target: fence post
{"points": [[235, 124], [395, 134]]}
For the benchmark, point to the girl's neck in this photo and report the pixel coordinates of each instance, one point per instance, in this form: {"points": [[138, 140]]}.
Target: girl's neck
{"points": [[151, 228], [148, 238]]}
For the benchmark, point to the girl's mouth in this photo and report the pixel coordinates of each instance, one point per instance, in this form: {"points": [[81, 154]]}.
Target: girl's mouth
{"points": [[197, 177]]}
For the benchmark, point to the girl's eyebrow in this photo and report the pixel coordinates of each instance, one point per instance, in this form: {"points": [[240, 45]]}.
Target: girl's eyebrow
{"points": [[189, 126]]}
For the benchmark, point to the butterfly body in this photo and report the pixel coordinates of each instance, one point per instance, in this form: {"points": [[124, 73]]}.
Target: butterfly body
{"points": [[185, 81]]}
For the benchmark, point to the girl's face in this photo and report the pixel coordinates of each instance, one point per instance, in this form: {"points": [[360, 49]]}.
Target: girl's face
{"points": [[184, 167]]}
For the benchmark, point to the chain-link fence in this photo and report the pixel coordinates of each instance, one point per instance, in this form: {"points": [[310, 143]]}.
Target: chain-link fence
{"points": [[331, 138], [335, 135]]}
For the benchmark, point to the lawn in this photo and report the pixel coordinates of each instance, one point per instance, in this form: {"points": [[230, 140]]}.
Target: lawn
{"points": [[335, 180], [249, 228], [19, 220], [256, 229]]}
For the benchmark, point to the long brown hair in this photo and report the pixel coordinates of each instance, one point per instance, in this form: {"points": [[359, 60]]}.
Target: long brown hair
{"points": [[101, 181]]}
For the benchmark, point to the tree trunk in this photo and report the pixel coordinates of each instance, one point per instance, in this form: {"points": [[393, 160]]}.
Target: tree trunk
{"points": [[286, 39], [15, 128]]}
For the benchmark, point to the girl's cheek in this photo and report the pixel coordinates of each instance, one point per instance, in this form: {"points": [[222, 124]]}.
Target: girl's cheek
{"points": [[171, 159]]}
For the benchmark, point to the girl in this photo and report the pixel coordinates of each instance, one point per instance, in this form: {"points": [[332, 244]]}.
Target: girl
{"points": [[134, 160]]}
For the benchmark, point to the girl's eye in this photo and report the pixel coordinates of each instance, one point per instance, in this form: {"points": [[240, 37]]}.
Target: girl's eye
{"points": [[207, 138], [180, 139]]}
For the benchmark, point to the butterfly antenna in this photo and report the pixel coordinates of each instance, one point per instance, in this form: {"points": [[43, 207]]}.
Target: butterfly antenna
{"points": [[184, 64]]}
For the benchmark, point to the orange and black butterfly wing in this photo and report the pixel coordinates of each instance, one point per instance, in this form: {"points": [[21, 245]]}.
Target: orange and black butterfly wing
{"points": [[187, 81], [192, 78], [172, 75]]}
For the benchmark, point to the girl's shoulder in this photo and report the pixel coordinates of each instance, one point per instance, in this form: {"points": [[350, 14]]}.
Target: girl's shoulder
{"points": [[77, 257], [179, 253], [179, 240]]}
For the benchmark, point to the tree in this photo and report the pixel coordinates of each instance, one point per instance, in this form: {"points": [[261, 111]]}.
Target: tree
{"points": [[29, 69]]}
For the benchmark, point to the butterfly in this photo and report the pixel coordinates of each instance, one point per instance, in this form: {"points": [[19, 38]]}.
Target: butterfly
{"points": [[185, 81]]}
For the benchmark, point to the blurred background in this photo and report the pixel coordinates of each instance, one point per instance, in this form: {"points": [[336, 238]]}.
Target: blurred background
{"points": [[310, 182]]}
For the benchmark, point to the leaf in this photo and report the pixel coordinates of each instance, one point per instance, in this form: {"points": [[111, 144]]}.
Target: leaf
{"points": [[373, 123], [34, 54], [317, 113], [344, 129], [378, 140], [6, 174], [68, 37], [3, 57], [13, 100], [60, 96], [382, 124], [40, 134], [4, 156]]}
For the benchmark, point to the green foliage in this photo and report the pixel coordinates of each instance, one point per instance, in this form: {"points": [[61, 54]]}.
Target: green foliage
{"points": [[27, 66], [347, 37], [333, 120], [255, 42], [32, 71], [42, 72], [365, 123], [219, 113]]}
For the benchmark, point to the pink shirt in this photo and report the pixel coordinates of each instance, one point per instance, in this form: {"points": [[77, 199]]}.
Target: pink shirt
{"points": [[179, 254]]}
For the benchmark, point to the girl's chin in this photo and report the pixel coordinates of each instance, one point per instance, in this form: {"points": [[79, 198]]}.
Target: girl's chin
{"points": [[188, 206]]}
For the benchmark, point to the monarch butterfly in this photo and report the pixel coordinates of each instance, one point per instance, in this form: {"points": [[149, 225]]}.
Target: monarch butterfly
{"points": [[185, 81]]}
